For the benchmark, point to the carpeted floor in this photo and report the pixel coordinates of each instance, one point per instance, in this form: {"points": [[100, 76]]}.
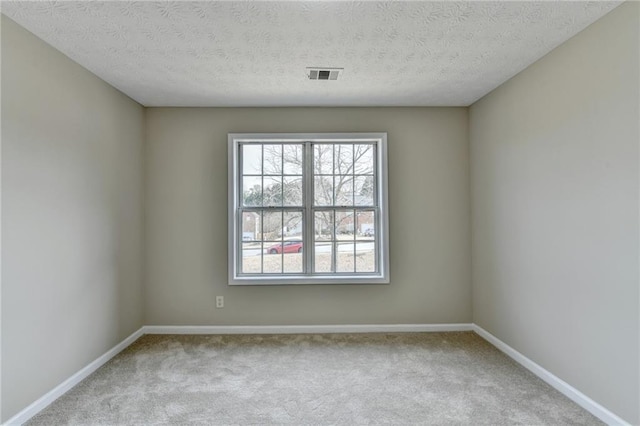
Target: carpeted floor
{"points": [[338, 379]]}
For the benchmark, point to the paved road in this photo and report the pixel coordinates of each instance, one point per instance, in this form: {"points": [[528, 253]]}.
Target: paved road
{"points": [[325, 248]]}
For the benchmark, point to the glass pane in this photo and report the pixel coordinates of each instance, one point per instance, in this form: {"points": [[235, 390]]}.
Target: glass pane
{"points": [[365, 256], [345, 225], [272, 159], [292, 156], [272, 226], [251, 258], [292, 191], [345, 258], [251, 191], [251, 226], [323, 191], [364, 159], [363, 188], [323, 159], [273, 257], [252, 159], [344, 190], [323, 226], [273, 247], [272, 191], [292, 249], [293, 256], [292, 225], [323, 257], [343, 164], [365, 224]]}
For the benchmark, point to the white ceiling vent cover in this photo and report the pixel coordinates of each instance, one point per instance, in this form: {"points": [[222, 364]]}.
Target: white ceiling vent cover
{"points": [[316, 73]]}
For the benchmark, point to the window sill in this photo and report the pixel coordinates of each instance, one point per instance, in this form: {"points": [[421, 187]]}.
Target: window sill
{"points": [[318, 280]]}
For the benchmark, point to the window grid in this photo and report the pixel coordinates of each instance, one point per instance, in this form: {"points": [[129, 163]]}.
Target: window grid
{"points": [[337, 172], [335, 242]]}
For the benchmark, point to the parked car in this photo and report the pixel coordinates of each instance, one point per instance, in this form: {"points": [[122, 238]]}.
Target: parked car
{"points": [[286, 247], [369, 232]]}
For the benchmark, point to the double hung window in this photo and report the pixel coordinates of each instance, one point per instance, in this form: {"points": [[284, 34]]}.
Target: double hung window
{"points": [[308, 209]]}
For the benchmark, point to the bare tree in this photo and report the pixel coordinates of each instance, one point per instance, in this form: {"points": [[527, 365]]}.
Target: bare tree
{"points": [[342, 173]]}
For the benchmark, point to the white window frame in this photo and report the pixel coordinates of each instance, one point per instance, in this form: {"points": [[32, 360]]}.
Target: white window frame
{"points": [[381, 197]]}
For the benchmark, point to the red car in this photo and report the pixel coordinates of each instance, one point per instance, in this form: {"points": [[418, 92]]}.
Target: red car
{"points": [[286, 247]]}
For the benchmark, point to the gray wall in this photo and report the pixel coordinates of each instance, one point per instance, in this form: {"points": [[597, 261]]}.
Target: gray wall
{"points": [[71, 217], [554, 155], [186, 219]]}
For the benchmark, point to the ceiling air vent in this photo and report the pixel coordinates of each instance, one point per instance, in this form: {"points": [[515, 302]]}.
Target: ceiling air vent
{"points": [[324, 73]]}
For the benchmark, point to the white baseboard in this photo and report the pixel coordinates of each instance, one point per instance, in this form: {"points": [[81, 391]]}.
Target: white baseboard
{"points": [[302, 329], [63, 387], [59, 390], [562, 386], [565, 388]]}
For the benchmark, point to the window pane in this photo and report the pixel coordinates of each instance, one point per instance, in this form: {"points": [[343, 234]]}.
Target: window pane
{"points": [[251, 226], [363, 188], [292, 156], [294, 247], [365, 256], [343, 164], [252, 159], [364, 159], [272, 191], [293, 262], [292, 190], [272, 159], [273, 247], [292, 250], [344, 190], [323, 159], [323, 257], [251, 258], [345, 258], [272, 226], [292, 225], [345, 225], [323, 191], [273, 257], [251, 191], [365, 224], [323, 225]]}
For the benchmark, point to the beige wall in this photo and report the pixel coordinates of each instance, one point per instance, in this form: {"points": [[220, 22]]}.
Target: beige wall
{"points": [[554, 194], [554, 155], [71, 217], [186, 220]]}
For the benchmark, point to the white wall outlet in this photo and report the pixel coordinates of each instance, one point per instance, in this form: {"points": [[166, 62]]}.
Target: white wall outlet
{"points": [[219, 301]]}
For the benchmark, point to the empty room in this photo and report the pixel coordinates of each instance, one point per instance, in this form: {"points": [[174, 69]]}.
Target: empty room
{"points": [[320, 212]]}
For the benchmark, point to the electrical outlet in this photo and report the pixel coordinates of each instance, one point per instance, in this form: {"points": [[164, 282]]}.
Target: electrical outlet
{"points": [[219, 301]]}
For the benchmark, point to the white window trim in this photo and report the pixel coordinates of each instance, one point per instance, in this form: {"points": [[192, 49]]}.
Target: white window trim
{"points": [[382, 277]]}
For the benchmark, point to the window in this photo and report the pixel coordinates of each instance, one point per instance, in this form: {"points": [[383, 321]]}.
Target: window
{"points": [[308, 209]]}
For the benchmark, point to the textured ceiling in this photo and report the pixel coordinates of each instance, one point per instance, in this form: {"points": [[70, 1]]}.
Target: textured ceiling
{"points": [[255, 53]]}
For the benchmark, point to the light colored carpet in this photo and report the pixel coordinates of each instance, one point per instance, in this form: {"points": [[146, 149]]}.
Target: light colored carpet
{"points": [[338, 379]]}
